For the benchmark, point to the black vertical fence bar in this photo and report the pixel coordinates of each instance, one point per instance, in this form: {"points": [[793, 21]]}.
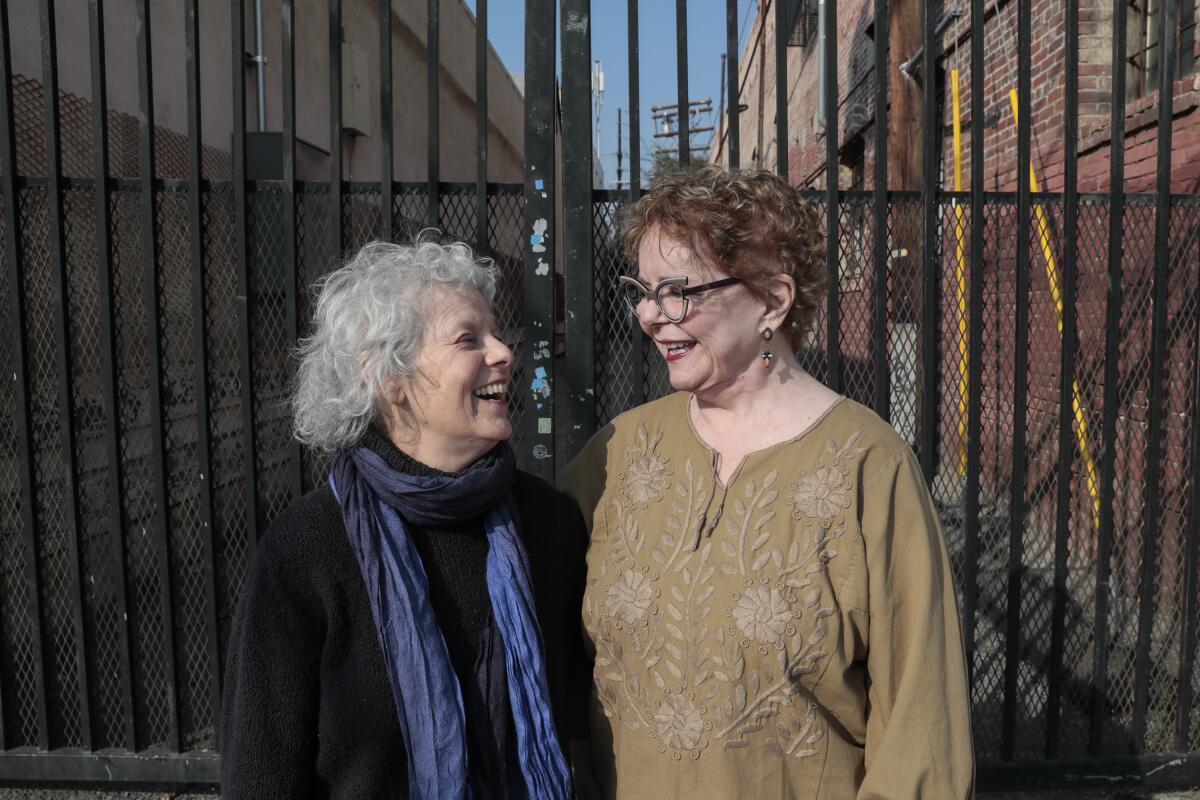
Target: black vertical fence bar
{"points": [[635, 182], [833, 317], [1158, 355], [432, 67], [335, 126], [580, 408], [204, 487], [1191, 593], [930, 265], [1098, 702], [162, 517], [1016, 568], [20, 358], [387, 217], [974, 343], [66, 391], [1066, 385], [781, 88], [882, 399], [482, 246], [541, 233], [290, 254], [733, 128], [108, 355], [681, 78], [635, 118], [237, 27]]}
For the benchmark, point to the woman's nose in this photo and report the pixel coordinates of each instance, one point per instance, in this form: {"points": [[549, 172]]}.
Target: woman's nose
{"points": [[648, 312], [499, 354]]}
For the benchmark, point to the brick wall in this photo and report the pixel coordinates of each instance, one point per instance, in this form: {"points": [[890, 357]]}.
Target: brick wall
{"points": [[806, 161]]}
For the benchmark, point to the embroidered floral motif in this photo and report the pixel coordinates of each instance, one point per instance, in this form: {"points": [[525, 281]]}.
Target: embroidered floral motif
{"points": [[762, 614], [820, 494], [712, 637], [629, 597], [647, 478], [679, 722]]}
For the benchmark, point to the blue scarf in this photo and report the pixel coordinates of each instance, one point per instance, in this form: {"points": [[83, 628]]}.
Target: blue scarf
{"points": [[377, 501]]}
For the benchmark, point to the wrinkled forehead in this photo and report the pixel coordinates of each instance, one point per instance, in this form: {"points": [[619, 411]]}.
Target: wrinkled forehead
{"points": [[450, 307], [665, 254]]}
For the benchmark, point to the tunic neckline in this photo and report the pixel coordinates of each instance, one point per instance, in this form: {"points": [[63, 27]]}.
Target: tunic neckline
{"points": [[812, 426]]}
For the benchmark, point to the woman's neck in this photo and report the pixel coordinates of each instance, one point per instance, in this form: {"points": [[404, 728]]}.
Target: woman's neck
{"points": [[759, 413], [757, 391]]}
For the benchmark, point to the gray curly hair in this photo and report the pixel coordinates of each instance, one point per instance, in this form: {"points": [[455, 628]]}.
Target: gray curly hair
{"points": [[368, 329]]}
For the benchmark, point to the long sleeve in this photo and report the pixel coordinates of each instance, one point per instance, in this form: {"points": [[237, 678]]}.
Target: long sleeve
{"points": [[918, 740], [585, 477], [269, 713]]}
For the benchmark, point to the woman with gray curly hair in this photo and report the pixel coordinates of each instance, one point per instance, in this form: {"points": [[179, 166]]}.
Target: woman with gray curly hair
{"points": [[410, 629], [769, 597]]}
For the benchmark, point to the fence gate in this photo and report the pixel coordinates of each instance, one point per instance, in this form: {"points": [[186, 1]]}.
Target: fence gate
{"points": [[156, 273]]}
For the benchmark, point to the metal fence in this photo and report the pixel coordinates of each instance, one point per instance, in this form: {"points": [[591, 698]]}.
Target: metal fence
{"points": [[1048, 379]]}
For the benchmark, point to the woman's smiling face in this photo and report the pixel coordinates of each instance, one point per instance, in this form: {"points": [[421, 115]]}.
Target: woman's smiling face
{"points": [[717, 340], [454, 408]]}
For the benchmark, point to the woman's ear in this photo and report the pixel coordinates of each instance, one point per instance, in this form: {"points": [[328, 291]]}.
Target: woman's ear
{"points": [[396, 394], [780, 297]]}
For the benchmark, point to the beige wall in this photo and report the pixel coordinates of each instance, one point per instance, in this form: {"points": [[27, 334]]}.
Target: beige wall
{"points": [[360, 25]]}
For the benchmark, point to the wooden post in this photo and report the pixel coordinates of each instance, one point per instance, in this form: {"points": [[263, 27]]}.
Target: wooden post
{"points": [[905, 162]]}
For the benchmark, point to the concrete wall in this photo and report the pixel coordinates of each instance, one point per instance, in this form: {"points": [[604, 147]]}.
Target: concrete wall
{"points": [[360, 26]]}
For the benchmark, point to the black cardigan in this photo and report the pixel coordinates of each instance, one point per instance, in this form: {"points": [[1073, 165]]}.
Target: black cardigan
{"points": [[308, 710]]}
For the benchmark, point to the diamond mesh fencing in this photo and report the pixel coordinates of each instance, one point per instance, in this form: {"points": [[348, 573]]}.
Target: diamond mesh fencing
{"points": [[17, 680], [168, 611], [100, 607], [226, 425], [620, 353], [53, 551]]}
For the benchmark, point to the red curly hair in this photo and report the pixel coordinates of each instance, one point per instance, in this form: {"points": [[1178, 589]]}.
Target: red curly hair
{"points": [[752, 224]]}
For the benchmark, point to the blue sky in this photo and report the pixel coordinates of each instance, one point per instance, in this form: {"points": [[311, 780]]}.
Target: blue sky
{"points": [[656, 27]]}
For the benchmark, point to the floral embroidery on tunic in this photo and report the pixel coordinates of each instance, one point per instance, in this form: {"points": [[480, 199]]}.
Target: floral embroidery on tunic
{"points": [[679, 722], [629, 597], [763, 614], [667, 662], [820, 494], [646, 475]]}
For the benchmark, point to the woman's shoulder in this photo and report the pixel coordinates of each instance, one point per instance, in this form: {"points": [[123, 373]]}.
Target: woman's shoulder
{"points": [[307, 529], [856, 428], [870, 429], [647, 419], [535, 494], [669, 409], [547, 514]]}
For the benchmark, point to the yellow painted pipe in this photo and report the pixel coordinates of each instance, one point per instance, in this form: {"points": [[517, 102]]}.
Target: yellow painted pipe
{"points": [[1081, 432], [960, 275]]}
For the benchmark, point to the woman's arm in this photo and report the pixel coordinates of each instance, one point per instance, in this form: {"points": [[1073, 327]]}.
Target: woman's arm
{"points": [[919, 718], [269, 708]]}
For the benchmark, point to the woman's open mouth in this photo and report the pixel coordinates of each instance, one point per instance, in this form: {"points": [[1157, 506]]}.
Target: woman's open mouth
{"points": [[493, 392], [677, 350]]}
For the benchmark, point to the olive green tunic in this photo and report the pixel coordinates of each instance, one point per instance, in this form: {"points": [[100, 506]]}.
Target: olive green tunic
{"points": [[791, 635]]}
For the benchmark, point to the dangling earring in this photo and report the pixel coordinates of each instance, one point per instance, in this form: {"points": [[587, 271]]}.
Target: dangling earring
{"points": [[766, 355]]}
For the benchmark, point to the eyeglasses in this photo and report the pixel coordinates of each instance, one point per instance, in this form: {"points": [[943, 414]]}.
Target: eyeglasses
{"points": [[671, 295]]}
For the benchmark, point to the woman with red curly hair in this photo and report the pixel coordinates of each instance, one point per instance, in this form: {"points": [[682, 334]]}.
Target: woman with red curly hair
{"points": [[769, 601]]}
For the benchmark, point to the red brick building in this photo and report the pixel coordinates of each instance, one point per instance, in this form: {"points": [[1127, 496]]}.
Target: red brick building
{"points": [[855, 104]]}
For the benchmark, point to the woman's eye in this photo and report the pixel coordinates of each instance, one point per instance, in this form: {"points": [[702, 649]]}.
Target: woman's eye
{"points": [[466, 338]]}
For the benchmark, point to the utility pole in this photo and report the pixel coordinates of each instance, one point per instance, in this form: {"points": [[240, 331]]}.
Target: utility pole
{"points": [[667, 119], [620, 140], [905, 158], [597, 98]]}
